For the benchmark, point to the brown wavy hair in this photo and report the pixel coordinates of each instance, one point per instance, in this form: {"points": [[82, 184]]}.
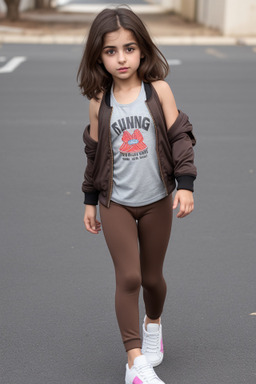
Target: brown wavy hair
{"points": [[92, 76]]}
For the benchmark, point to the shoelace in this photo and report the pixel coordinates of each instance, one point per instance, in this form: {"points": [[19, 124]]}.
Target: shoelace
{"points": [[152, 342], [147, 372]]}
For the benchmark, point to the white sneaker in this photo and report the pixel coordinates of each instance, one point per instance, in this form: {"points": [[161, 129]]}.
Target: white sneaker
{"points": [[141, 372], [152, 344]]}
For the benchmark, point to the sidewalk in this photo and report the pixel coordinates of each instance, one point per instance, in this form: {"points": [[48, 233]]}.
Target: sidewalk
{"points": [[59, 27]]}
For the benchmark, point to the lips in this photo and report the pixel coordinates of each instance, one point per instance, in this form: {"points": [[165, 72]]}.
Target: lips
{"points": [[123, 69]]}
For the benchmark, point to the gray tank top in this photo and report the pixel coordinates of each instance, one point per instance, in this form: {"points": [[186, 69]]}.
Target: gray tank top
{"points": [[136, 176]]}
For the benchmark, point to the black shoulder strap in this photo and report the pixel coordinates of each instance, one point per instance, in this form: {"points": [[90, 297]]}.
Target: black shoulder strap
{"points": [[148, 90], [107, 98]]}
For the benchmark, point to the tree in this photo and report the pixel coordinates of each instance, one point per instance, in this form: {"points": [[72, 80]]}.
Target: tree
{"points": [[40, 4], [12, 9]]}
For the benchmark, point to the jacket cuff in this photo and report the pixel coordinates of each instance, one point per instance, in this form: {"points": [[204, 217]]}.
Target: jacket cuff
{"points": [[185, 182], [91, 198]]}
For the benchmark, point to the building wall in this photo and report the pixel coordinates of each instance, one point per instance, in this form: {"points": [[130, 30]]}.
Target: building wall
{"points": [[211, 13], [187, 9], [2, 6], [231, 17], [240, 18], [24, 4], [167, 4]]}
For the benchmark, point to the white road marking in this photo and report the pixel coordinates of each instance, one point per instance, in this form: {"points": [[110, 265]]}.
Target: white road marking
{"points": [[11, 65], [253, 314], [174, 62], [216, 53], [2, 59]]}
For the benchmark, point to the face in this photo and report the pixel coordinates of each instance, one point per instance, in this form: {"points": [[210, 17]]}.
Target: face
{"points": [[121, 54]]}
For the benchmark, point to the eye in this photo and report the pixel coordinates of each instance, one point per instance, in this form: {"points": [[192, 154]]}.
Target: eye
{"points": [[130, 49], [110, 52]]}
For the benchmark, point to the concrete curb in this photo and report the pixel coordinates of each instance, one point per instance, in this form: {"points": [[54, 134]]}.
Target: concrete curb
{"points": [[160, 40], [46, 39], [96, 8], [195, 40], [246, 41]]}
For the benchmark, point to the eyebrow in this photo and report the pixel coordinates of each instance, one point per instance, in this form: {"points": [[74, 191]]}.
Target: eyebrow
{"points": [[125, 45]]}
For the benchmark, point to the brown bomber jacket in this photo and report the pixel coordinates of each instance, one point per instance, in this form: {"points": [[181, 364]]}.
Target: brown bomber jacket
{"points": [[174, 150]]}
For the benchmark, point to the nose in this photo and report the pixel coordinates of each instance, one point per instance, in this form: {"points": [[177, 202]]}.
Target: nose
{"points": [[121, 57]]}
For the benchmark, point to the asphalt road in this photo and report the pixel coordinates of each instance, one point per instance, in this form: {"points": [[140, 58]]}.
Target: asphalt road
{"points": [[57, 320]]}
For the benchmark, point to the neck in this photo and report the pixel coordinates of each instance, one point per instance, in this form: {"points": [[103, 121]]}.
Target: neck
{"points": [[127, 93], [126, 85]]}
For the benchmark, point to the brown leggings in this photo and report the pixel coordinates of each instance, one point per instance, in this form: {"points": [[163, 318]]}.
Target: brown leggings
{"points": [[137, 238]]}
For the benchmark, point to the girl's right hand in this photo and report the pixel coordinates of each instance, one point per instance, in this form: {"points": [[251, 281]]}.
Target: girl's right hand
{"points": [[91, 224]]}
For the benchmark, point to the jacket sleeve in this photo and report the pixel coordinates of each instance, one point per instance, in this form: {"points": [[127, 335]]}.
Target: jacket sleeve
{"points": [[181, 138], [90, 193]]}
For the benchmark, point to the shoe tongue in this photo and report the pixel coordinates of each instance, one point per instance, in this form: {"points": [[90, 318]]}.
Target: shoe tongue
{"points": [[140, 360], [152, 328]]}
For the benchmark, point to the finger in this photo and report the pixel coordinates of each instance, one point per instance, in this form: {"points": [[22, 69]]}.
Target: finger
{"points": [[98, 224], [190, 208], [184, 214], [181, 211], [95, 232], [187, 210], [87, 223], [89, 226], [93, 223], [175, 203]]}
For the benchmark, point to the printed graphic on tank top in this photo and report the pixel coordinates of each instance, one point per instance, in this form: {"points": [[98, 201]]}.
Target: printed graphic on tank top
{"points": [[136, 174]]}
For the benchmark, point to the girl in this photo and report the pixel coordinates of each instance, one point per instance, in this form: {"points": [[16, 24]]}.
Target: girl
{"points": [[136, 145]]}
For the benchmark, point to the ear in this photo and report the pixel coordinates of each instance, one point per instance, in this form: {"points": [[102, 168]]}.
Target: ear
{"points": [[142, 56], [99, 61]]}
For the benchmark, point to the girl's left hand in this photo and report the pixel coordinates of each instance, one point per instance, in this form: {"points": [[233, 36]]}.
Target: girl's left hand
{"points": [[186, 200]]}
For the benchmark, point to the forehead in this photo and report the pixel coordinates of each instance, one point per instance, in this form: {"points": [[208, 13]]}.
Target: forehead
{"points": [[120, 37]]}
